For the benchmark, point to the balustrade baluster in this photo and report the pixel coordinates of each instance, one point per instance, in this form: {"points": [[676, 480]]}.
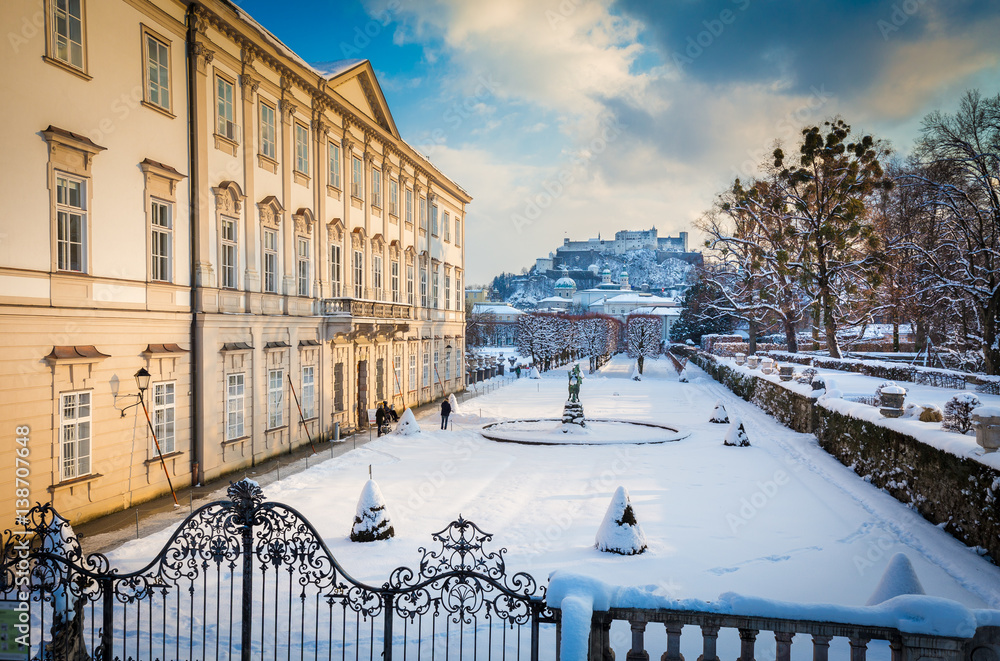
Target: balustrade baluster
{"points": [[748, 637], [859, 648], [783, 644], [673, 652], [709, 639], [896, 647], [821, 647], [638, 651]]}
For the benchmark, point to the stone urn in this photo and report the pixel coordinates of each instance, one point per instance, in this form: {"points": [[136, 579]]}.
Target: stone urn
{"points": [[986, 422], [753, 361], [785, 372], [740, 358], [892, 401], [767, 365]]}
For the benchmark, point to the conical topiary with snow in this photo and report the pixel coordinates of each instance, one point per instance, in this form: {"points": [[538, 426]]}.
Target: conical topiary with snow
{"points": [[719, 414], [736, 435], [407, 425], [453, 401], [371, 523], [898, 579], [533, 374], [683, 376], [620, 532]]}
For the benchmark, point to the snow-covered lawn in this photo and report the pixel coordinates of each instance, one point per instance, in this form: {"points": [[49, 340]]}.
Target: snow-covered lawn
{"points": [[780, 519]]}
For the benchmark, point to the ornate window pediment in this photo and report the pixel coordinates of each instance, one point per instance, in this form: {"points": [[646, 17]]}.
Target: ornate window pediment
{"points": [[229, 197], [335, 230], [270, 212], [358, 238], [304, 220], [378, 243]]}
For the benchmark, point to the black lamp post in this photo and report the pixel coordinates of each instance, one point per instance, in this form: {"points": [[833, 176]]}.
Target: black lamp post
{"points": [[142, 378]]}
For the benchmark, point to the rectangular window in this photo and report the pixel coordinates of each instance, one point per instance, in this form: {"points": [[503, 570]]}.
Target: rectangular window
{"points": [[427, 368], [229, 254], [335, 165], [301, 149], [338, 386], [437, 365], [446, 225], [447, 364], [447, 291], [157, 72], [423, 286], [397, 370], [458, 231], [268, 132], [409, 284], [408, 201], [393, 197], [422, 212], [376, 188], [67, 31], [458, 292], [335, 270], [224, 104], [357, 182], [74, 434], [163, 416], [394, 280], [275, 399], [235, 391], [434, 288], [303, 265], [412, 383], [308, 392], [160, 241], [377, 275], [359, 274], [71, 218], [270, 261], [434, 220]]}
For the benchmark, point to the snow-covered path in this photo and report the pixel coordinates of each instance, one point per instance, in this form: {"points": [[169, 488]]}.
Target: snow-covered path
{"points": [[781, 519]]}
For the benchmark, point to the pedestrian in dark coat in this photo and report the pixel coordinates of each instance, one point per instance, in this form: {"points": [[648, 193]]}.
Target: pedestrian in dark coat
{"points": [[380, 419], [445, 412]]}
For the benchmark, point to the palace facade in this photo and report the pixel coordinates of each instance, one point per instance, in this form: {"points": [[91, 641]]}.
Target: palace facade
{"points": [[184, 194]]}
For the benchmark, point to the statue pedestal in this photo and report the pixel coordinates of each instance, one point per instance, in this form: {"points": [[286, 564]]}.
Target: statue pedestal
{"points": [[573, 414]]}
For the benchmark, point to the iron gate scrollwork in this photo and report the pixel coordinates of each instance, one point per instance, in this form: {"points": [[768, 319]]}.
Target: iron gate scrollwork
{"points": [[252, 579]]}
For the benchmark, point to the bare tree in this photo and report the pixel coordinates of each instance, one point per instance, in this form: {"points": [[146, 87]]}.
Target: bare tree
{"points": [[642, 334]]}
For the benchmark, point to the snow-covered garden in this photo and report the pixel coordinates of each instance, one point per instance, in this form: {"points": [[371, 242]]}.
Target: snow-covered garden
{"points": [[779, 520]]}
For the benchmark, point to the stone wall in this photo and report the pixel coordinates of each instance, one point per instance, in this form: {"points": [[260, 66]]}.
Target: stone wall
{"points": [[958, 493]]}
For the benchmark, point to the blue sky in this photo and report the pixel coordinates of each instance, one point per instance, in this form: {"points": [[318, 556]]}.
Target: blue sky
{"points": [[565, 118]]}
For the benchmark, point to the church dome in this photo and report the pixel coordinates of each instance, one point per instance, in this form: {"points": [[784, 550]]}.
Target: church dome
{"points": [[565, 282]]}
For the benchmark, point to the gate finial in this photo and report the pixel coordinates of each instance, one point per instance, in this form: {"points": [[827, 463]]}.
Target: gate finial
{"points": [[246, 493]]}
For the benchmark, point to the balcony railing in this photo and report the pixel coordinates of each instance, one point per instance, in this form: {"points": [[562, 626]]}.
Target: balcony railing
{"points": [[366, 308]]}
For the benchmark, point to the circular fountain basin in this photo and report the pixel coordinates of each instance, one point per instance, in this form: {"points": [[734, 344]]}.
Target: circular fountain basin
{"points": [[551, 431]]}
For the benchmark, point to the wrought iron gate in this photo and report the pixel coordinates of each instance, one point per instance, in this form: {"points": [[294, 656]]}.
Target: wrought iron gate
{"points": [[251, 579]]}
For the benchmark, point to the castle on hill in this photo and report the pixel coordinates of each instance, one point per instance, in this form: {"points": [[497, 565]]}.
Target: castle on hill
{"points": [[582, 254]]}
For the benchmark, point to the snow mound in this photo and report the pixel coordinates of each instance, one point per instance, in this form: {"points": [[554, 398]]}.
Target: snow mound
{"points": [[897, 580], [371, 522], [719, 414], [736, 435], [407, 425], [636, 376], [533, 374], [454, 404], [683, 376], [620, 532]]}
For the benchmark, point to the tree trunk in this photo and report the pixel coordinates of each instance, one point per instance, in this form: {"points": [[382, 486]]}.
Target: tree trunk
{"points": [[830, 325], [791, 341], [815, 325], [639, 363], [990, 351], [752, 339], [920, 336]]}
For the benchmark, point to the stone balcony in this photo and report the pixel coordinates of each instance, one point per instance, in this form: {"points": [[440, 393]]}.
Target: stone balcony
{"points": [[364, 308]]}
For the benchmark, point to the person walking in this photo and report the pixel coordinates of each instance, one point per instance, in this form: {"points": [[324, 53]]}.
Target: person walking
{"points": [[380, 419], [445, 412], [391, 412]]}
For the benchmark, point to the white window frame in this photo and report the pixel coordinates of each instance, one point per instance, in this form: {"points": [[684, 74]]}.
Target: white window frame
{"points": [[357, 177], [446, 225], [377, 275], [447, 364], [426, 380], [225, 108], [394, 279], [163, 397], [447, 291], [302, 266], [334, 155], [335, 269], [229, 258], [268, 130], [301, 148], [422, 213], [235, 406], [75, 434], [423, 286], [270, 261], [408, 202], [308, 392], [376, 187], [397, 369], [393, 197], [458, 291], [69, 215], [359, 274], [161, 240], [63, 48], [409, 283], [435, 288], [156, 57], [275, 398], [412, 385], [434, 220], [458, 231]]}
